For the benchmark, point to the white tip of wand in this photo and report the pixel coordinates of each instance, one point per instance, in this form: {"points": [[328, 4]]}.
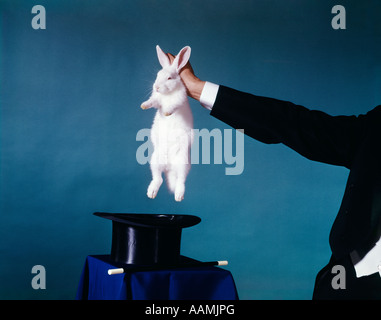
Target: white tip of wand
{"points": [[115, 271], [223, 263]]}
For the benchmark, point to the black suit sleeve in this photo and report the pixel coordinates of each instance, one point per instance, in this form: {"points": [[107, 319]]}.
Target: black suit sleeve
{"points": [[313, 134]]}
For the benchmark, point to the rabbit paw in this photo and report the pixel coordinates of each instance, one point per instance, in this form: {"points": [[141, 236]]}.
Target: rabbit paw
{"points": [[179, 193], [153, 189], [151, 192], [147, 104], [179, 197]]}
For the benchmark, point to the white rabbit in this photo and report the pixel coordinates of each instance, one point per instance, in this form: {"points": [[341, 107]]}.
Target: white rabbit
{"points": [[171, 133]]}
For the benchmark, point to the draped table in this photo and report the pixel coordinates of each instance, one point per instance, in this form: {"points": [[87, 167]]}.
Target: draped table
{"points": [[189, 283]]}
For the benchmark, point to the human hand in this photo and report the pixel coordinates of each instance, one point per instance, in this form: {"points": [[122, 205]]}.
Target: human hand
{"points": [[192, 83]]}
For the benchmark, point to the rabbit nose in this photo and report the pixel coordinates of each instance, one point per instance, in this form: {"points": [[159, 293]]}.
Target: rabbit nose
{"points": [[157, 87]]}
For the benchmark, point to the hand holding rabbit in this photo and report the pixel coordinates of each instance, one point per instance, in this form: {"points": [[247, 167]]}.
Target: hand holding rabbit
{"points": [[192, 83]]}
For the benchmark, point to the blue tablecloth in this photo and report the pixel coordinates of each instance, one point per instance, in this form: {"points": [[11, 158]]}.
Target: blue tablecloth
{"points": [[196, 283]]}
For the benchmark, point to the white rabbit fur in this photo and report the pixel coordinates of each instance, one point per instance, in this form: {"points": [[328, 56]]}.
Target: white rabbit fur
{"points": [[171, 132]]}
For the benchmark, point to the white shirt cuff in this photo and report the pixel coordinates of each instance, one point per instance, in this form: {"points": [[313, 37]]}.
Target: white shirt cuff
{"points": [[208, 95], [370, 263]]}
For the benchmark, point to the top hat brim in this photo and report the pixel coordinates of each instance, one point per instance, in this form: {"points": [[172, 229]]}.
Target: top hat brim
{"points": [[152, 220]]}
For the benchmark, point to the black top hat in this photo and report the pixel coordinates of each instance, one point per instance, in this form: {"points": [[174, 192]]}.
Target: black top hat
{"points": [[146, 239]]}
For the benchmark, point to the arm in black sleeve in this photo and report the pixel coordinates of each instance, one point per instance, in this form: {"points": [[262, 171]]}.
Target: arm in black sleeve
{"points": [[313, 134]]}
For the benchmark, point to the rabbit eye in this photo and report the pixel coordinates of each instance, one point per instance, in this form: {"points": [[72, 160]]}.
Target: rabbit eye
{"points": [[169, 78]]}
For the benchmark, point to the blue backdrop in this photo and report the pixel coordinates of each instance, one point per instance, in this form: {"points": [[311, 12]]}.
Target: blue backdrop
{"points": [[70, 97]]}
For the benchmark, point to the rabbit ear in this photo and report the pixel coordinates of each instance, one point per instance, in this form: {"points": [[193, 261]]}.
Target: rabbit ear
{"points": [[182, 58], [163, 58]]}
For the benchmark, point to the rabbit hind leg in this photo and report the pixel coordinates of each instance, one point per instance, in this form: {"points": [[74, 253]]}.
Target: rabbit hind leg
{"points": [[182, 172], [156, 182]]}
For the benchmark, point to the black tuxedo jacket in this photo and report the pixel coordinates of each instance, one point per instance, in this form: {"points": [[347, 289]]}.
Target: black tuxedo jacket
{"points": [[350, 141]]}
